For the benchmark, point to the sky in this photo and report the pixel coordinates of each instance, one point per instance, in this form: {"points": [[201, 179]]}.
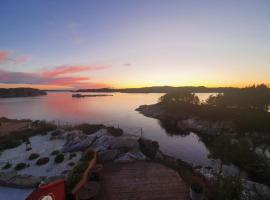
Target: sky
{"points": [[67, 44]]}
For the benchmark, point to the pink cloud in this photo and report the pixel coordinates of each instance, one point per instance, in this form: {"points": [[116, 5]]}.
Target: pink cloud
{"points": [[66, 69], [53, 77], [4, 56], [22, 59]]}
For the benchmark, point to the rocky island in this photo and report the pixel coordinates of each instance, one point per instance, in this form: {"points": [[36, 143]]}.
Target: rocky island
{"points": [[20, 92]]}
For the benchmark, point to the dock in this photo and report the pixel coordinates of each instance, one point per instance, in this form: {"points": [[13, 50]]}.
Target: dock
{"points": [[141, 180]]}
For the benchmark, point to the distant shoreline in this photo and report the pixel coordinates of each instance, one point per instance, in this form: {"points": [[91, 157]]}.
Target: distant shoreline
{"points": [[20, 92]]}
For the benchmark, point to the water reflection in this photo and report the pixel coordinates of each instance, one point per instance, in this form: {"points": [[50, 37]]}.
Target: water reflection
{"points": [[118, 109]]}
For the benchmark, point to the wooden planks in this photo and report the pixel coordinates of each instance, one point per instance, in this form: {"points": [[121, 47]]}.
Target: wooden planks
{"points": [[141, 181]]}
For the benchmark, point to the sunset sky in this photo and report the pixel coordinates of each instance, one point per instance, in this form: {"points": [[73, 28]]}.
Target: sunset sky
{"points": [[133, 43]]}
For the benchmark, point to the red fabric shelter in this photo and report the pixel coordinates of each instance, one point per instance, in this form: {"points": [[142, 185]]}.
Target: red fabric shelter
{"points": [[52, 191]]}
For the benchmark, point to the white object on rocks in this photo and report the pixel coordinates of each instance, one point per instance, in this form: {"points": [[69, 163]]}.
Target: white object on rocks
{"points": [[131, 157]]}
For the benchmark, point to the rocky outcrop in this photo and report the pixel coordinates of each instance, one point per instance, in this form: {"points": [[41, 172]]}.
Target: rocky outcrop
{"points": [[155, 110], [108, 155]]}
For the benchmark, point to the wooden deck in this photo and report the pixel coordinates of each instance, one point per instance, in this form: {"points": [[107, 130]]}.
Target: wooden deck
{"points": [[141, 181]]}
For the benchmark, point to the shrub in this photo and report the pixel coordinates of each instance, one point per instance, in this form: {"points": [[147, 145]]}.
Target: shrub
{"points": [[20, 166], [7, 166], [59, 158], [71, 164], [196, 187], [76, 174], [72, 155], [33, 156], [89, 128], [230, 187], [115, 131], [55, 152], [42, 161]]}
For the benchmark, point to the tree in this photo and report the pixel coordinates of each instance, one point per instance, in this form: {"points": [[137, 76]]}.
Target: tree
{"points": [[180, 98]]}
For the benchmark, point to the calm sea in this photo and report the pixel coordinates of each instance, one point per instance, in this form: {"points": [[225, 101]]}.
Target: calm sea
{"points": [[117, 110]]}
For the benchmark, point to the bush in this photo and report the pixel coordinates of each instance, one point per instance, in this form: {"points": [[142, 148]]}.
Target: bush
{"points": [[33, 156], [7, 166], [20, 166], [71, 164], [42, 161], [59, 158], [76, 174], [230, 187], [196, 187], [89, 128], [55, 152], [115, 131], [72, 155]]}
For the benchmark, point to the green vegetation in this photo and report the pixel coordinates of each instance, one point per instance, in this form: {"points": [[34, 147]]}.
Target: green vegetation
{"points": [[196, 187], [246, 112], [33, 156], [71, 164], [77, 173], [238, 151], [42, 161], [20, 166], [246, 108], [114, 131], [89, 128], [72, 155], [7, 166], [55, 152], [59, 158], [230, 188]]}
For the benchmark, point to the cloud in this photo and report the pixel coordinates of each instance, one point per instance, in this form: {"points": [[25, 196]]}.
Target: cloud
{"points": [[66, 69], [4, 56], [22, 59], [60, 76]]}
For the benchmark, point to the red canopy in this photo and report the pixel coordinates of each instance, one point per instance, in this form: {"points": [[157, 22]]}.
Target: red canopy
{"points": [[52, 191]]}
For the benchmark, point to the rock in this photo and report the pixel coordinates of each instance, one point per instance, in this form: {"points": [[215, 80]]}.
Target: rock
{"points": [[259, 151], [77, 141], [125, 141], [148, 147], [267, 153], [108, 155], [103, 143]]}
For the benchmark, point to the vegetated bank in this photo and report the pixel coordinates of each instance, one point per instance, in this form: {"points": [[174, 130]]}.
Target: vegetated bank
{"points": [[234, 125]]}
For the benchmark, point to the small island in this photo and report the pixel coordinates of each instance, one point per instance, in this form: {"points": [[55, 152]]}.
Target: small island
{"points": [[20, 92], [90, 95]]}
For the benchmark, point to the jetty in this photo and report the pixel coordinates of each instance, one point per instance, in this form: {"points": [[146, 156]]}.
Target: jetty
{"points": [[144, 180]]}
